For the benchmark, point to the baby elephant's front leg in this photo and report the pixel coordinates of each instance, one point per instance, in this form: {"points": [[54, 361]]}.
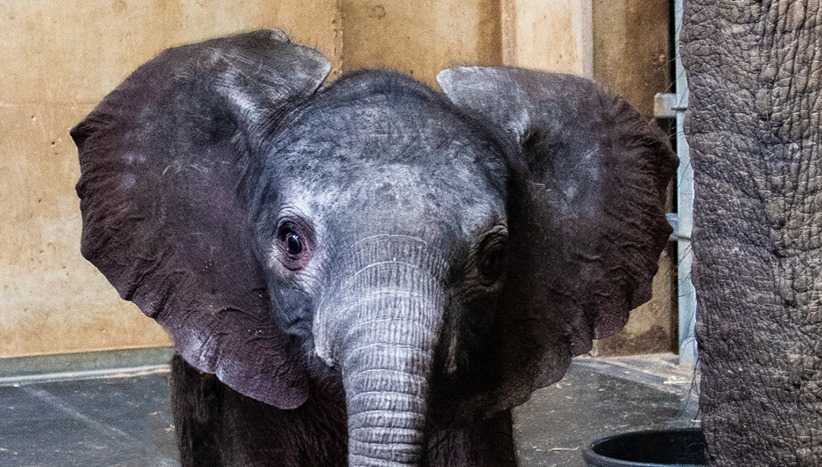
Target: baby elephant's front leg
{"points": [[489, 443]]}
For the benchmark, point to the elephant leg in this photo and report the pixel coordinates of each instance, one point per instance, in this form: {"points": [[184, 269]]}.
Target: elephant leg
{"points": [[195, 405], [489, 443], [754, 131], [216, 426]]}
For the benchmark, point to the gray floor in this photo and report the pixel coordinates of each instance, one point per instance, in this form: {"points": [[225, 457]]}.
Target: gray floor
{"points": [[124, 421]]}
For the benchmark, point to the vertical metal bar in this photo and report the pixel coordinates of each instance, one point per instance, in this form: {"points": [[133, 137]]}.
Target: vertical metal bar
{"points": [[685, 201]]}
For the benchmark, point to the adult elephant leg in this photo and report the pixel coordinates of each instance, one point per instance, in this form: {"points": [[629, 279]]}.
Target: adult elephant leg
{"points": [[755, 73]]}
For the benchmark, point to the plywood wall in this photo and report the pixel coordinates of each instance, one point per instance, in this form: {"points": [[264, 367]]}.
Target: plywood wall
{"points": [[553, 35], [60, 57], [420, 37]]}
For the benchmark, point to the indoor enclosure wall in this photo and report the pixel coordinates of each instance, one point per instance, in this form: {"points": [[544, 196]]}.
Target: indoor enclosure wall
{"points": [[61, 57]]}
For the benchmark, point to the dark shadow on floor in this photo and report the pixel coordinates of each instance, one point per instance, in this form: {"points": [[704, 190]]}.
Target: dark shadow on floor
{"points": [[125, 422]]}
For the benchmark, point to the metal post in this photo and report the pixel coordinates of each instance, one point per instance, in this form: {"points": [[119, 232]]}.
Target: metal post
{"points": [[685, 202], [668, 105]]}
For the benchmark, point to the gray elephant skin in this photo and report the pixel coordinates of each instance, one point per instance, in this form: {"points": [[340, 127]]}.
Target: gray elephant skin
{"points": [[371, 272], [753, 125]]}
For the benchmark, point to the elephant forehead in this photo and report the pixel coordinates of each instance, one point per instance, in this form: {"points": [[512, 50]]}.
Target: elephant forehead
{"points": [[395, 125], [405, 196], [396, 156]]}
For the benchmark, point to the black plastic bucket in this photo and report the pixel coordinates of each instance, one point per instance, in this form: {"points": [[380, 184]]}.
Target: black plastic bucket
{"points": [[652, 448]]}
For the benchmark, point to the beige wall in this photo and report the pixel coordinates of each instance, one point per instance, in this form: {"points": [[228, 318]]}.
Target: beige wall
{"points": [[630, 45], [61, 57], [420, 37], [550, 35]]}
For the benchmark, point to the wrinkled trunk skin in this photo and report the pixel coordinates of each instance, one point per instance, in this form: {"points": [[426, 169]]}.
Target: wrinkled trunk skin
{"points": [[385, 375], [390, 324], [753, 125], [386, 395]]}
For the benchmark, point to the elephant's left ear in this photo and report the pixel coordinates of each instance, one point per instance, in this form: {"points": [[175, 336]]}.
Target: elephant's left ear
{"points": [[587, 219], [166, 161]]}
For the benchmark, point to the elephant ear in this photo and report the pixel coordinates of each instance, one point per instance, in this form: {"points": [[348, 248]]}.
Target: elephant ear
{"points": [[586, 216], [165, 161]]}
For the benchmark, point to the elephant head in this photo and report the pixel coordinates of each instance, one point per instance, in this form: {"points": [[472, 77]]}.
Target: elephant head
{"points": [[444, 255]]}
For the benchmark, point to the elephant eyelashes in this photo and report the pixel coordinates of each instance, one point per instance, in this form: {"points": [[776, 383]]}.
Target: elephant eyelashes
{"points": [[293, 242]]}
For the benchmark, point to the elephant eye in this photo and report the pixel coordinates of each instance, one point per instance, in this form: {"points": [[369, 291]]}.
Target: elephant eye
{"points": [[491, 265], [492, 259], [293, 244]]}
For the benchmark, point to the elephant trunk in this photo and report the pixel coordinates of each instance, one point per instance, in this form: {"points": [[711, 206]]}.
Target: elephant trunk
{"points": [[386, 383], [387, 358]]}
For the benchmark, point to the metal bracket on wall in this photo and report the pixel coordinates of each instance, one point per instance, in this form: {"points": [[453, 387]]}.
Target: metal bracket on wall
{"points": [[667, 104]]}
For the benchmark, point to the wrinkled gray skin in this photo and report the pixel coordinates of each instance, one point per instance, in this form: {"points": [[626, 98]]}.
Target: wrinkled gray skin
{"points": [[373, 272], [755, 77]]}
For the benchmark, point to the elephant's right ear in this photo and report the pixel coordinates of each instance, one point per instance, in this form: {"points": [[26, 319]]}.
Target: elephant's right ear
{"points": [[586, 216], [165, 159]]}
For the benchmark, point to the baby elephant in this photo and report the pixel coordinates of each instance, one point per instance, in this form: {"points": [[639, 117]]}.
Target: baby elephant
{"points": [[371, 272]]}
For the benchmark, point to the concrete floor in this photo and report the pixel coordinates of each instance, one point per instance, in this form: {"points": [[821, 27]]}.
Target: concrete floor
{"points": [[124, 420]]}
